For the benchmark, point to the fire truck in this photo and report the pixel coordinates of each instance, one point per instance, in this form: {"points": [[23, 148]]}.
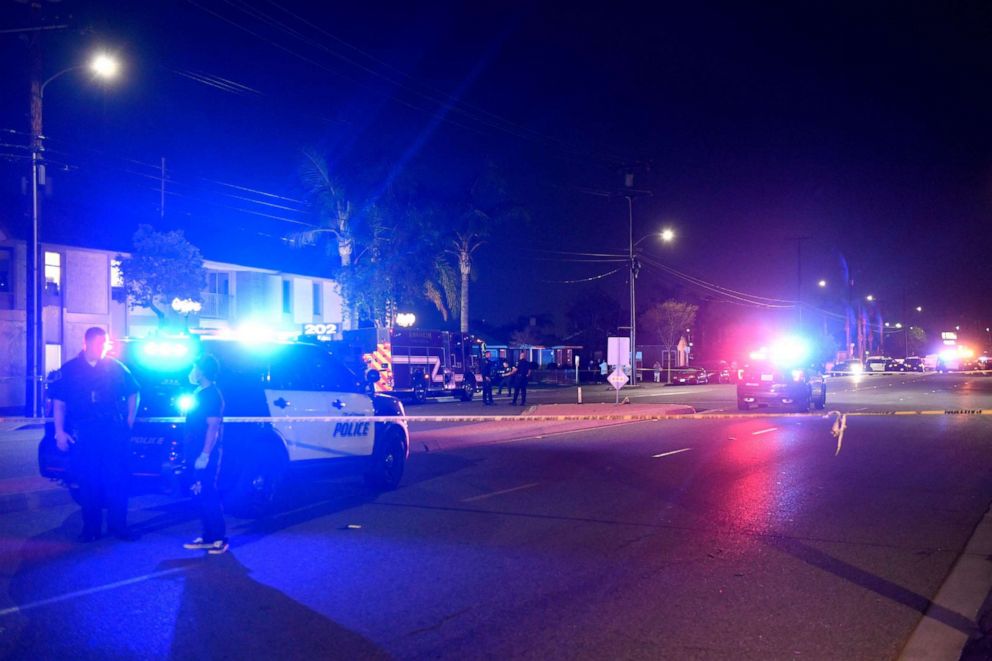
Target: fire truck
{"points": [[415, 364]]}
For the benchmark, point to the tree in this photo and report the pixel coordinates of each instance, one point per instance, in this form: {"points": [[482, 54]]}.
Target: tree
{"points": [[163, 266], [487, 209], [334, 217], [668, 322], [916, 341]]}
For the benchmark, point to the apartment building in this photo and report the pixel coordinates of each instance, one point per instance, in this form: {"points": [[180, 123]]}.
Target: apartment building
{"points": [[83, 288]]}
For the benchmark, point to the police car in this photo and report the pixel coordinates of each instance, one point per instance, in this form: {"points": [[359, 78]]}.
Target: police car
{"points": [[273, 382], [782, 376]]}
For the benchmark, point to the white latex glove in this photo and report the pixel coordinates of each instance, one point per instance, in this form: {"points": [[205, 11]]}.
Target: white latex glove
{"points": [[201, 461]]}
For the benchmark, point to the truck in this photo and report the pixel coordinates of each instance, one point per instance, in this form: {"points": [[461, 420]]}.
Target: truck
{"points": [[414, 364]]}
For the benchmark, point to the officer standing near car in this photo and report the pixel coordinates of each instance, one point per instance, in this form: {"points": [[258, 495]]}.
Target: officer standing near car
{"points": [[95, 401], [486, 372], [204, 436]]}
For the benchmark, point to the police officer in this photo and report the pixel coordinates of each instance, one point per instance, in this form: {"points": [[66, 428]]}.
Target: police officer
{"points": [[204, 436], [521, 375], [486, 371], [95, 400]]}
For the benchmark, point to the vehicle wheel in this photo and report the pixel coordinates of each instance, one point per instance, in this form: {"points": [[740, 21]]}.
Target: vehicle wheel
{"points": [[468, 387], [419, 393], [254, 487], [388, 460], [742, 405], [821, 402]]}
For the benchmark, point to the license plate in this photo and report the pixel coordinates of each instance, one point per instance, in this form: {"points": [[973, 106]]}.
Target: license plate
{"points": [[767, 377]]}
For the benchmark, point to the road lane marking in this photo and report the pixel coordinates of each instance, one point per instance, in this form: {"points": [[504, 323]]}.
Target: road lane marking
{"points": [[500, 493], [88, 591], [763, 431], [668, 454]]}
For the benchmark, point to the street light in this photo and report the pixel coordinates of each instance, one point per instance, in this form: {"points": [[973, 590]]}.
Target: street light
{"points": [[821, 284], [870, 298], [919, 308], [105, 66], [667, 235]]}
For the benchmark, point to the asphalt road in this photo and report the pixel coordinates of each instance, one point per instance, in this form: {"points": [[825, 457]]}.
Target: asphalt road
{"points": [[748, 538]]}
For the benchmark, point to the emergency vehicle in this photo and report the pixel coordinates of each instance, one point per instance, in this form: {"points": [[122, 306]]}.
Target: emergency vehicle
{"points": [[259, 378], [415, 363], [782, 375]]}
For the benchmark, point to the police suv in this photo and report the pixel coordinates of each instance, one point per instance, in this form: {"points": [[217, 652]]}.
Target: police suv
{"points": [[272, 382]]}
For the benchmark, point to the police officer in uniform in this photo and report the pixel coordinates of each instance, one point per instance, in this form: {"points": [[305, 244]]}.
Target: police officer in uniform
{"points": [[95, 401], [486, 371], [521, 375]]}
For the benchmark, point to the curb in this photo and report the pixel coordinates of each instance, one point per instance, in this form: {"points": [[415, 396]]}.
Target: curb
{"points": [[939, 634]]}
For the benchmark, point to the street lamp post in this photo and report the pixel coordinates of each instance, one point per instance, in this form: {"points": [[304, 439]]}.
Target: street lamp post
{"points": [[102, 66], [667, 235]]}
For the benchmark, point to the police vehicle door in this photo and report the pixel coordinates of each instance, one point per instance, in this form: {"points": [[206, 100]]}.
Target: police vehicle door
{"points": [[305, 381]]}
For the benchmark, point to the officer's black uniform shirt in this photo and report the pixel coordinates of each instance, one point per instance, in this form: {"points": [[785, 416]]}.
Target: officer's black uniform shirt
{"points": [[486, 368], [94, 394], [209, 403], [523, 369]]}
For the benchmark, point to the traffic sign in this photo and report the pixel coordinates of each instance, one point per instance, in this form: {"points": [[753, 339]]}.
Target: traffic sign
{"points": [[618, 379]]}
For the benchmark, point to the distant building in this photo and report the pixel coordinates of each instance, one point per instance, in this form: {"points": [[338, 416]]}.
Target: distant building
{"points": [[83, 288]]}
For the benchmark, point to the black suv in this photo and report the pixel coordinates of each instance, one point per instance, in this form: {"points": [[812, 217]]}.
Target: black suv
{"points": [[266, 381], [765, 384]]}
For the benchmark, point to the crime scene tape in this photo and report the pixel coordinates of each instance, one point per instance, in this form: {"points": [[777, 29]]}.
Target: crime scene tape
{"points": [[607, 417]]}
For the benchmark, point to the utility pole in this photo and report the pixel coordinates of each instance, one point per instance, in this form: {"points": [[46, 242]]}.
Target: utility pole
{"points": [[629, 193], [799, 276], [32, 299]]}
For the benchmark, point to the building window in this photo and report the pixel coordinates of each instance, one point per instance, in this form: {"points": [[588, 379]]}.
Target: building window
{"points": [[287, 297], [6, 271], [318, 308], [116, 275], [53, 273], [217, 296]]}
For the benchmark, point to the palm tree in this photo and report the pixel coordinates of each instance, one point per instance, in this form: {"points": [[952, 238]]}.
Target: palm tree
{"points": [[334, 213]]}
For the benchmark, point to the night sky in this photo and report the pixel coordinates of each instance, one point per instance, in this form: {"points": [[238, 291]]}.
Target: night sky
{"points": [[862, 126]]}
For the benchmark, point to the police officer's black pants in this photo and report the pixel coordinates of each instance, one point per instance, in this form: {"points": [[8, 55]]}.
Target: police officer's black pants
{"points": [[487, 391], [100, 465], [520, 388], [208, 499]]}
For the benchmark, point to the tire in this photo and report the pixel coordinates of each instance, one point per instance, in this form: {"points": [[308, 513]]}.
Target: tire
{"points": [[257, 481], [388, 461], [468, 387], [821, 402], [419, 393], [742, 405]]}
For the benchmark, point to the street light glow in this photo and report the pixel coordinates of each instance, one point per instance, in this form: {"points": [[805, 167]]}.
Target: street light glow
{"points": [[667, 235], [821, 283], [104, 66], [919, 308], [869, 298]]}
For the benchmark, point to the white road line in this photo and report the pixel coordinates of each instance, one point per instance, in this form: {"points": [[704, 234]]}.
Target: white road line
{"points": [[763, 431], [668, 454], [88, 591], [500, 493]]}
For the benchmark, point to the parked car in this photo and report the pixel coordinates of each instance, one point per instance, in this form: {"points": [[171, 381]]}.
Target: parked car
{"points": [[914, 364], [847, 368], [266, 380], [875, 364], [690, 376]]}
